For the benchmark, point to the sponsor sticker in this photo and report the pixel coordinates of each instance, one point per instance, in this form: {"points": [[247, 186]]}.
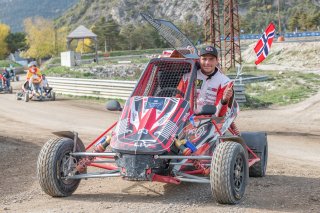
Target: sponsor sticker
{"points": [[199, 83], [155, 103]]}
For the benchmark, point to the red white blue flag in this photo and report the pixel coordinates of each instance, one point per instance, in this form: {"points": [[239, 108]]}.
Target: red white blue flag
{"points": [[263, 46]]}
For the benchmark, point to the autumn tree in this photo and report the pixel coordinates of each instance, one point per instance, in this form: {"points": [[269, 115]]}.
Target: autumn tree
{"points": [[43, 39], [85, 46], [4, 32]]}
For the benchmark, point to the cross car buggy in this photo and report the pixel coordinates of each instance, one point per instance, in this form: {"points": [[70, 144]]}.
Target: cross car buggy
{"points": [[159, 137], [35, 92]]}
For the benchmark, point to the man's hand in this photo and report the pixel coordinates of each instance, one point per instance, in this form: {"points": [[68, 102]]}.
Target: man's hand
{"points": [[227, 94]]}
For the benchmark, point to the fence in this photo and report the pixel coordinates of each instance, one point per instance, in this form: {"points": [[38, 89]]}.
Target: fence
{"points": [[109, 88], [286, 35]]}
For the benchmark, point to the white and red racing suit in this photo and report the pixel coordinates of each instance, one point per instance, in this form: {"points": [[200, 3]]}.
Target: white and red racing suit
{"points": [[209, 89]]}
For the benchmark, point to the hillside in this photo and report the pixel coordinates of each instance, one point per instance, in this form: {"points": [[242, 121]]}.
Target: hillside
{"points": [[13, 12], [288, 56], [298, 15], [87, 12]]}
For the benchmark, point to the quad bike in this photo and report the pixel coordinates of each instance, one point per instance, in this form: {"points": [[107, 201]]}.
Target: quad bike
{"points": [[36, 92], [159, 137]]}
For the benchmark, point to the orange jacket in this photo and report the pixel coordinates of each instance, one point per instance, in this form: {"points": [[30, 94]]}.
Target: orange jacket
{"points": [[33, 72]]}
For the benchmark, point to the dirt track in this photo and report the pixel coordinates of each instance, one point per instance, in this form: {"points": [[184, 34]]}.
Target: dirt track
{"points": [[292, 183]]}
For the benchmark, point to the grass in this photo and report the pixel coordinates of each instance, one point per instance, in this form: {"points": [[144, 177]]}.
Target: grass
{"points": [[136, 52], [6, 63], [67, 72], [133, 61], [281, 89], [93, 99]]}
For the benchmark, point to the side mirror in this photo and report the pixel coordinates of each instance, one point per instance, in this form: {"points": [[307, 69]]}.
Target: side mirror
{"points": [[113, 105], [208, 110]]}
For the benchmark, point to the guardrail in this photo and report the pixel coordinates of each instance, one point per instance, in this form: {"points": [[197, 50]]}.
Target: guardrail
{"points": [[109, 88]]}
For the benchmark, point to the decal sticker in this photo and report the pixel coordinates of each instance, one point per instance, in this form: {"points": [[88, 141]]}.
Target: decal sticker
{"points": [[156, 103], [199, 83]]}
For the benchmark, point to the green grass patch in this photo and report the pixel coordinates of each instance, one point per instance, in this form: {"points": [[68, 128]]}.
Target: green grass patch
{"points": [[281, 89], [6, 63], [67, 72], [133, 61], [93, 99], [136, 52]]}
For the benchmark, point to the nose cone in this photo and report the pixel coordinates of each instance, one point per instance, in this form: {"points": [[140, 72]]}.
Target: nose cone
{"points": [[148, 125]]}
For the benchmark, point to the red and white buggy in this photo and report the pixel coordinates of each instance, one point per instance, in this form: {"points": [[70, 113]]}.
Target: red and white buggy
{"points": [[159, 137]]}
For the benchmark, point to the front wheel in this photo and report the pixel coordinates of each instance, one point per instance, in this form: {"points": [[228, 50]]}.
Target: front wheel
{"points": [[229, 172], [53, 166]]}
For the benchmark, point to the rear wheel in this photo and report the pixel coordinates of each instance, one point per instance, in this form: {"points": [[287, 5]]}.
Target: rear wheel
{"points": [[229, 172], [53, 96], [259, 168], [52, 167], [258, 143], [26, 97]]}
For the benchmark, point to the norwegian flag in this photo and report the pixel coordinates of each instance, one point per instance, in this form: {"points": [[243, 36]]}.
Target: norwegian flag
{"points": [[264, 44]]}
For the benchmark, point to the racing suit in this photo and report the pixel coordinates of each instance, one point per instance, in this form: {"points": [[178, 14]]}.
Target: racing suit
{"points": [[210, 89]]}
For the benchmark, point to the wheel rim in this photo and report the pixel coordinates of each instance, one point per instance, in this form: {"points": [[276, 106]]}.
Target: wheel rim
{"points": [[238, 173], [63, 170]]}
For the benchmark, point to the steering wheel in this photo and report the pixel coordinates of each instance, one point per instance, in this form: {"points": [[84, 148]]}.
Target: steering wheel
{"points": [[165, 92]]}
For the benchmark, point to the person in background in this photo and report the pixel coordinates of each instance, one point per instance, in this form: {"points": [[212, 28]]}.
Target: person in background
{"points": [[6, 76], [45, 85], [34, 75]]}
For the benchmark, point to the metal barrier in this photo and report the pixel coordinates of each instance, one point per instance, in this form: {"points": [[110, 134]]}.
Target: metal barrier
{"points": [[109, 88], [286, 35]]}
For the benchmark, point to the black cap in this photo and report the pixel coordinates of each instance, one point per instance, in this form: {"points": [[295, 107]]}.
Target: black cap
{"points": [[209, 50]]}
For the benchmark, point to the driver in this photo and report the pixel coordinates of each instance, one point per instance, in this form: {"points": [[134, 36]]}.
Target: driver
{"points": [[213, 87], [33, 75]]}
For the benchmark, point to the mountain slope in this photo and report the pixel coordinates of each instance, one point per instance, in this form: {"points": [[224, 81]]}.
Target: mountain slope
{"points": [[13, 12], [87, 12]]}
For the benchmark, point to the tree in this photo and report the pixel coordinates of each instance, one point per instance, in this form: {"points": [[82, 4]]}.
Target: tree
{"points": [[107, 32], [16, 41], [126, 33], [4, 32], [192, 30], [60, 40], [293, 22], [40, 37], [85, 46]]}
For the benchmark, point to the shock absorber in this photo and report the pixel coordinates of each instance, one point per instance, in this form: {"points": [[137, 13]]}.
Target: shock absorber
{"points": [[187, 148], [180, 144], [100, 146]]}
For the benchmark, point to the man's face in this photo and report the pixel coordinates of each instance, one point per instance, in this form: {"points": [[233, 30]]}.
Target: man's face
{"points": [[208, 63]]}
